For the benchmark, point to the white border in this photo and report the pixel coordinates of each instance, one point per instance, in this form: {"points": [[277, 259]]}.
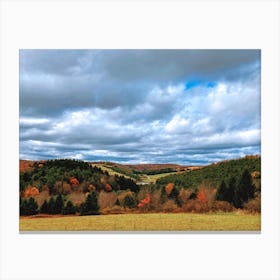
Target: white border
{"points": [[153, 24]]}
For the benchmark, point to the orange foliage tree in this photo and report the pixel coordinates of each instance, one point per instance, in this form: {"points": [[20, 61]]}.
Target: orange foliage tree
{"points": [[74, 181], [108, 188], [145, 201], [169, 187], [31, 191], [201, 197]]}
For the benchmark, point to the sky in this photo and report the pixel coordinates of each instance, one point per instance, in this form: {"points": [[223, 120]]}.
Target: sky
{"points": [[190, 107]]}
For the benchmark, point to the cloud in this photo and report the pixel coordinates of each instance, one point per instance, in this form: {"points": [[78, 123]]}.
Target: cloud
{"points": [[184, 106]]}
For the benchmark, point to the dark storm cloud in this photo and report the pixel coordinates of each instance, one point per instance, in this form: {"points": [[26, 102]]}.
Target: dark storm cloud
{"points": [[139, 105]]}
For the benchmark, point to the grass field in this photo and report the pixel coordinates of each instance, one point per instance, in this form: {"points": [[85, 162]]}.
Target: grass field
{"points": [[149, 179], [146, 179], [109, 170], [146, 222]]}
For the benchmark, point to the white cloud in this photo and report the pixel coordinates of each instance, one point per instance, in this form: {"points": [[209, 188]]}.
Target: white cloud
{"points": [[177, 125], [135, 106]]}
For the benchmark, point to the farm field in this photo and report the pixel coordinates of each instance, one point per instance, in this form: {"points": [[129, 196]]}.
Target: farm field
{"points": [[146, 222], [151, 179], [143, 178]]}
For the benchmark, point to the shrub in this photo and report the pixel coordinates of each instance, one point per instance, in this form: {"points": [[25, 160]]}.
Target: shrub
{"points": [[193, 206], [222, 206], [116, 209], [253, 205], [169, 206]]}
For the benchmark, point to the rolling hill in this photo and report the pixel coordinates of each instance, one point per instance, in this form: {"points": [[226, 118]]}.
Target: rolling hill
{"points": [[213, 174]]}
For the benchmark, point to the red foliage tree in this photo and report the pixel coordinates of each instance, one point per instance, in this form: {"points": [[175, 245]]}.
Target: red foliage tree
{"points": [[108, 188], [201, 197], [74, 181], [145, 201]]}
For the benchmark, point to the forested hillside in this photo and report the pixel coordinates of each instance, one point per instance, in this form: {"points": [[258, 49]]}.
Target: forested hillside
{"points": [[64, 176], [214, 174]]}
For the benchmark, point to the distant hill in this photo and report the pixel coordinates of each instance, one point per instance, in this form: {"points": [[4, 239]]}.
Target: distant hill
{"points": [[213, 174]]}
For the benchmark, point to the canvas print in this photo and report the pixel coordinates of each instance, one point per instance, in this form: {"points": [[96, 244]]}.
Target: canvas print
{"points": [[142, 140]]}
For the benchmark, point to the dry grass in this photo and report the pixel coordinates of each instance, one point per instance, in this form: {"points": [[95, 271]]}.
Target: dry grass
{"points": [[146, 222]]}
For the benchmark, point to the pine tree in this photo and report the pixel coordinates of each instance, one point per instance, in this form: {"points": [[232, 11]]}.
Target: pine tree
{"points": [[118, 202], [51, 205], [245, 190], [129, 201], [69, 209], [28, 207], [58, 205], [90, 206], [221, 193], [231, 190], [32, 206], [23, 207], [45, 207]]}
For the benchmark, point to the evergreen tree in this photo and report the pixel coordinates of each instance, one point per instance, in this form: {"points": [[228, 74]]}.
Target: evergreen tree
{"points": [[229, 196], [118, 202], [221, 193], [23, 207], [58, 205], [33, 206], [45, 207], [175, 196], [245, 190], [29, 207], [69, 209], [51, 205], [129, 201], [90, 206]]}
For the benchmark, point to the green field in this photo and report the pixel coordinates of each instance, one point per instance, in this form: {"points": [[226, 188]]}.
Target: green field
{"points": [[109, 170], [146, 222], [151, 179]]}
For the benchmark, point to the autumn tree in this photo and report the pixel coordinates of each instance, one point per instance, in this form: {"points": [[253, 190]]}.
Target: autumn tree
{"points": [[201, 197]]}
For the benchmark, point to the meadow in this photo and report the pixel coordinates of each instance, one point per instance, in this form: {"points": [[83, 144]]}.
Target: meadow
{"points": [[234, 221]]}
